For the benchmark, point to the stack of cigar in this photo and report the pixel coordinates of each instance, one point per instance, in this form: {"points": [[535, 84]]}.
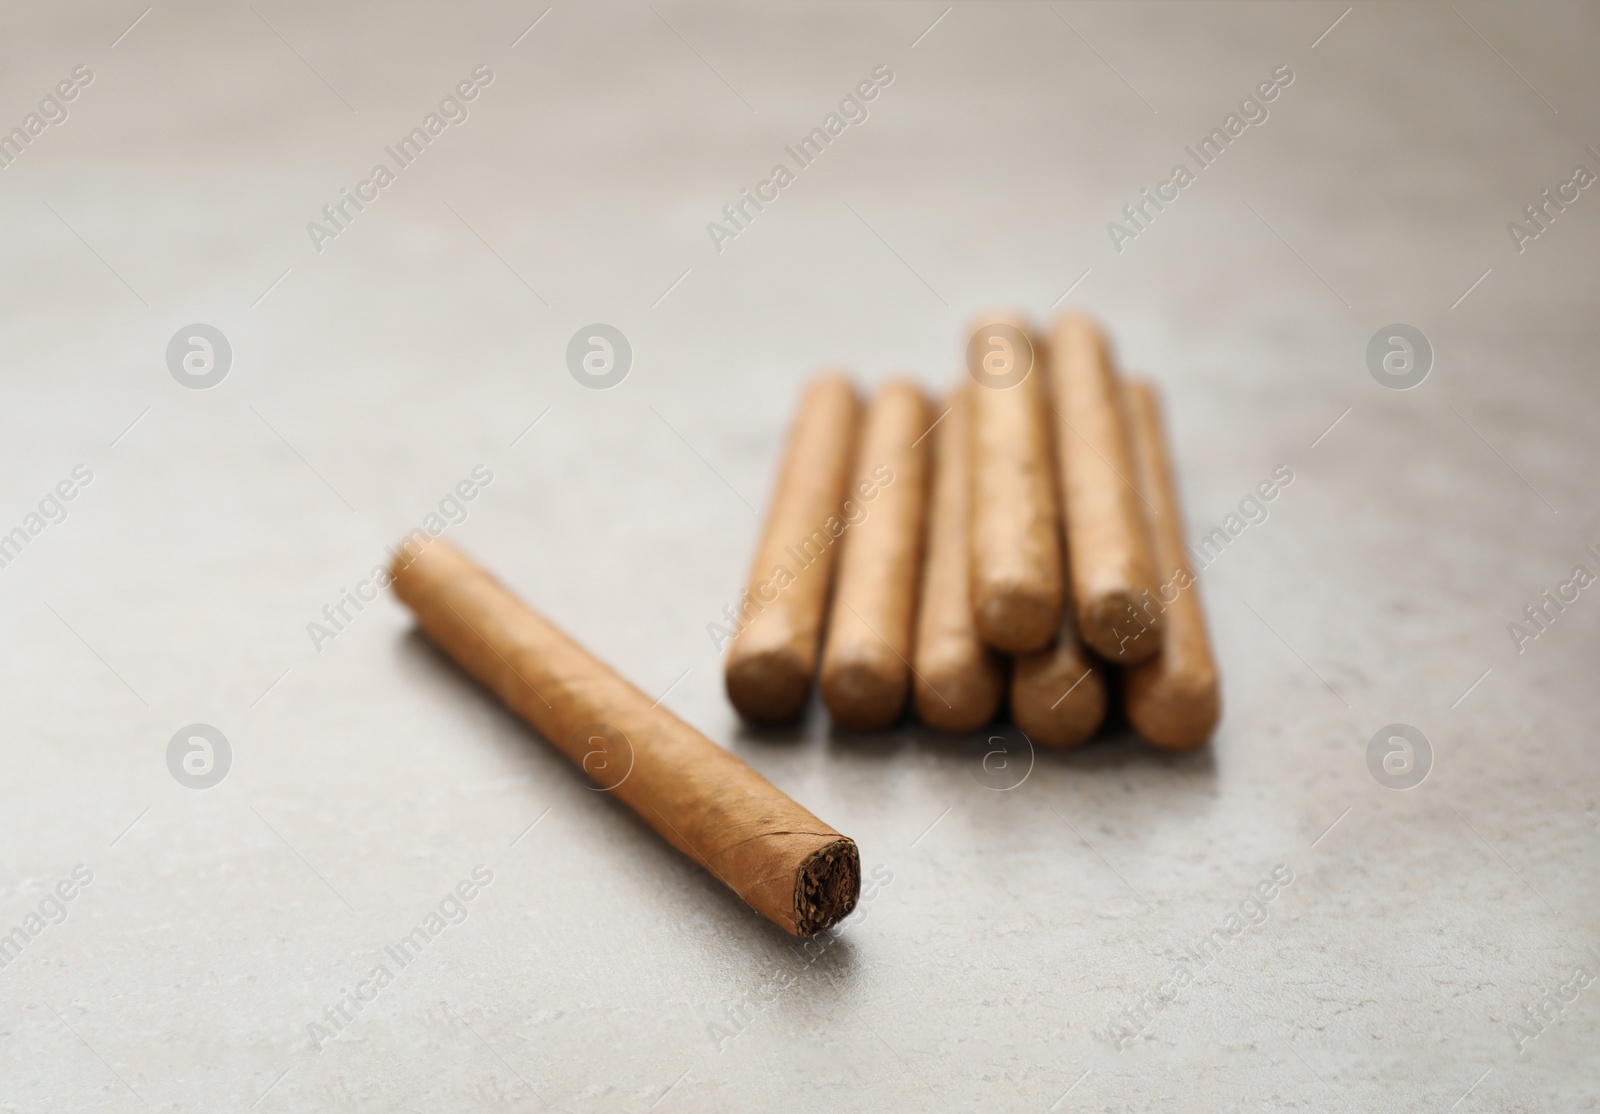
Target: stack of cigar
{"points": [[1025, 537], [1030, 530]]}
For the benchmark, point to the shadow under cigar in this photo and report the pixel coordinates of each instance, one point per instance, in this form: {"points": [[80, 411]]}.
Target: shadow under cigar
{"points": [[773, 734], [1115, 746], [1118, 748], [882, 745]]}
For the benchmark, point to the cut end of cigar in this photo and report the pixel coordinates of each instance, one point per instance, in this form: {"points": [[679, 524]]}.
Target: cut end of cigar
{"points": [[960, 699], [865, 696], [1114, 628], [768, 686], [1017, 621], [826, 887], [1173, 713], [1053, 710]]}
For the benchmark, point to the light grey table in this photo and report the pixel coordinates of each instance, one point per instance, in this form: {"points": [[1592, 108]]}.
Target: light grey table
{"points": [[1019, 949]]}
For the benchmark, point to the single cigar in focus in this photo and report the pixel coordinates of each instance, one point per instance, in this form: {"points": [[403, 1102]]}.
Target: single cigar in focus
{"points": [[865, 670], [1014, 525], [1058, 696], [1173, 699], [773, 659], [1108, 543], [791, 867], [959, 680]]}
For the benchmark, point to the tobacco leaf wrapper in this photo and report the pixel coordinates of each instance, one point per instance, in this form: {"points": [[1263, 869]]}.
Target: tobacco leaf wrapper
{"points": [[788, 865]]}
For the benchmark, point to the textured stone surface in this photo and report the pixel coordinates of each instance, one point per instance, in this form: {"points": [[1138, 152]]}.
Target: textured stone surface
{"points": [[1007, 930]]}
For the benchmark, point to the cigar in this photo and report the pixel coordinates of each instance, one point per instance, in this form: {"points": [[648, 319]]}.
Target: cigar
{"points": [[1014, 525], [1173, 699], [1058, 695], [1108, 544], [773, 659], [789, 866], [865, 666], [959, 680]]}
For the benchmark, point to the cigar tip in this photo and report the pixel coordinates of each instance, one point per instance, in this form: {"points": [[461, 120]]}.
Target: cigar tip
{"points": [[769, 685], [959, 694], [1112, 626], [409, 549], [957, 719], [905, 387], [1173, 712], [1077, 319], [832, 379], [1018, 621], [1054, 710], [827, 886], [865, 695]]}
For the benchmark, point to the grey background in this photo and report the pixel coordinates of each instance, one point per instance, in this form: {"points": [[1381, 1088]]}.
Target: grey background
{"points": [[369, 777]]}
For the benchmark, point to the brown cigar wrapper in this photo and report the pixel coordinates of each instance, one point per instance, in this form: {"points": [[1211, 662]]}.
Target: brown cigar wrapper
{"points": [[1174, 699], [1058, 695], [1108, 544], [865, 662], [792, 868], [959, 681], [772, 662], [1016, 582]]}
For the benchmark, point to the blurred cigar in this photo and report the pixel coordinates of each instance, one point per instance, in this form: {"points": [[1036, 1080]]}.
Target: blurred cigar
{"points": [[791, 867], [959, 680], [773, 659], [1173, 699], [1108, 544], [1016, 580], [865, 660], [1058, 696]]}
